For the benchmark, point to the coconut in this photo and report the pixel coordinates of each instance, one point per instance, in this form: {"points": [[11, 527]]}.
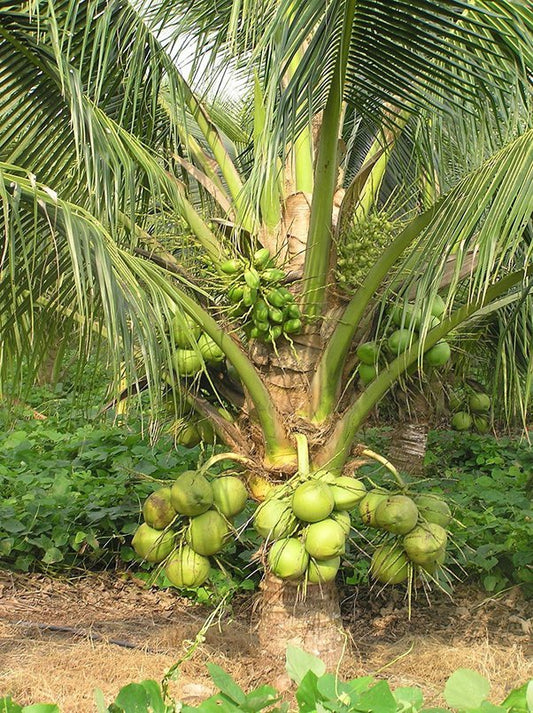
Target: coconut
{"points": [[461, 421], [367, 373], [186, 362], [274, 519], [344, 520], [188, 436], [481, 424], [399, 341], [312, 501], [423, 544], [184, 330], [288, 559], [438, 355], [319, 571], [186, 568], [397, 514], [325, 539], [437, 306], [191, 494], [368, 505], [157, 509], [207, 533], [347, 492], [210, 350], [431, 566], [406, 316], [152, 545], [368, 353], [433, 509], [455, 401], [206, 430], [479, 403], [389, 565], [229, 495]]}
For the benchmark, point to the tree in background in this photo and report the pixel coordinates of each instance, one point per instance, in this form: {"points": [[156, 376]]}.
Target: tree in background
{"points": [[282, 258]]}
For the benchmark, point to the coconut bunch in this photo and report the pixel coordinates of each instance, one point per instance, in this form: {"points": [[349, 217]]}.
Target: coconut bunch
{"points": [[359, 248], [418, 528], [471, 413], [187, 523], [305, 526], [194, 347], [406, 321], [255, 291]]}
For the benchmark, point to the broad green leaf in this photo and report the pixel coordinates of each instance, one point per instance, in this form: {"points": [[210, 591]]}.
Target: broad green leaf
{"points": [[308, 694], [379, 699], [299, 663], [517, 701], [409, 698], [466, 689], [42, 708], [226, 684], [132, 698], [8, 705]]}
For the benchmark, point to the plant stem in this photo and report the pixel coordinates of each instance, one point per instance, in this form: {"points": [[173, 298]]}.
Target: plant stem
{"points": [[381, 459], [302, 448], [338, 447], [325, 384], [317, 254]]}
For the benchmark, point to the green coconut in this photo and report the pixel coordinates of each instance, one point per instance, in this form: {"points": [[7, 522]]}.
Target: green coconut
{"points": [[437, 306], [368, 353], [152, 545], [321, 571], [438, 355], [455, 401], [191, 493], [274, 519], [399, 341], [367, 373], [210, 350], [479, 403], [406, 316], [397, 514], [229, 495], [431, 566], [206, 430], [422, 544], [185, 330], [347, 492], [186, 362], [325, 539], [481, 424], [186, 568], [389, 565], [461, 421], [433, 509], [288, 558], [312, 501], [207, 533], [344, 520], [157, 509], [368, 505], [188, 436]]}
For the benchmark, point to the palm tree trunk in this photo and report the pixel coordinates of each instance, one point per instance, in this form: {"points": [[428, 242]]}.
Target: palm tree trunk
{"points": [[408, 445], [310, 620]]}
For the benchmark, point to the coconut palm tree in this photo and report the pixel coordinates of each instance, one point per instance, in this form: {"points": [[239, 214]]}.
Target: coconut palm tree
{"points": [[327, 198]]}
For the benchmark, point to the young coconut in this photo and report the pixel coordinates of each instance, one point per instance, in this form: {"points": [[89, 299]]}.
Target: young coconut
{"points": [[397, 514], [186, 568], [461, 421], [325, 539], [389, 565], [188, 435], [347, 492], [424, 544], [184, 330], [312, 501], [367, 373], [368, 505], [320, 571], [479, 403], [207, 533], [288, 559], [157, 509], [210, 350], [344, 520], [191, 494], [152, 545], [229, 495], [438, 355], [433, 509], [274, 519], [186, 362], [368, 353]]}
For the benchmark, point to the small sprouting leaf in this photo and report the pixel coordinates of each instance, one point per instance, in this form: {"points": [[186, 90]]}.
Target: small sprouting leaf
{"points": [[226, 684], [299, 663], [466, 689]]}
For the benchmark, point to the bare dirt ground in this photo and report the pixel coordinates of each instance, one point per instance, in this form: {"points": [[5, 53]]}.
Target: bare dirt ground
{"points": [[111, 631]]}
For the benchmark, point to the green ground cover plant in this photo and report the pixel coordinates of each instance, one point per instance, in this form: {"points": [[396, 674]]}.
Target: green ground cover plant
{"points": [[465, 690]]}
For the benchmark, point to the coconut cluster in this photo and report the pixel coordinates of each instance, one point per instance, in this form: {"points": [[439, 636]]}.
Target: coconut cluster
{"points": [[406, 321], [194, 347], [418, 526], [187, 523], [470, 412], [305, 526]]}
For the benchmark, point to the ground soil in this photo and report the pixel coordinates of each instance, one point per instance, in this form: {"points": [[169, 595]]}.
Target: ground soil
{"points": [[61, 639]]}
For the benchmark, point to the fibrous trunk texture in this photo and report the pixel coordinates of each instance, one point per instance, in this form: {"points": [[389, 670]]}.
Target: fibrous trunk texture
{"points": [[408, 447], [310, 621]]}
